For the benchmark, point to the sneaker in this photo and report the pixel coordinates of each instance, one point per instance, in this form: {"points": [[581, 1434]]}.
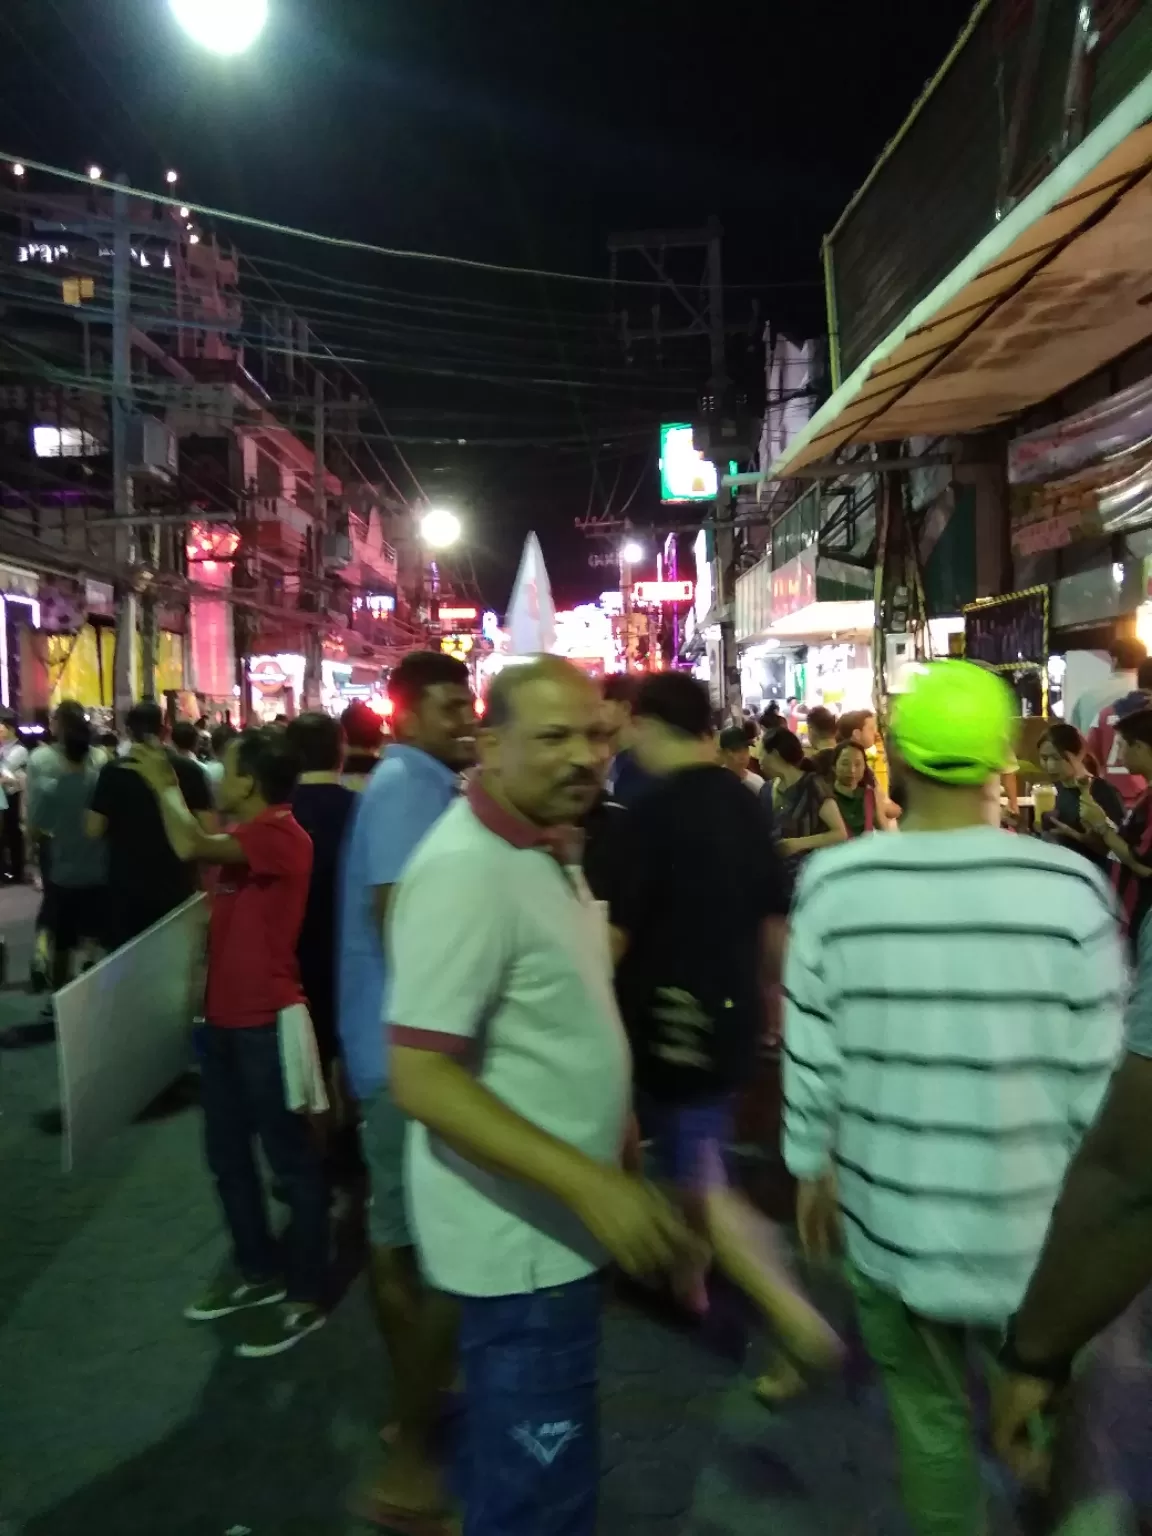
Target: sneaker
{"points": [[234, 1296], [279, 1329]]}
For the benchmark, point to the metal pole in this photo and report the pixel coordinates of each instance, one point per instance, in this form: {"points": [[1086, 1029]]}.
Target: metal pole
{"points": [[124, 668], [313, 642], [724, 561]]}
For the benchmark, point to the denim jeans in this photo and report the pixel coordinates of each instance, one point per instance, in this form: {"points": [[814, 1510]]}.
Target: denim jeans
{"points": [[532, 1423], [242, 1091]]}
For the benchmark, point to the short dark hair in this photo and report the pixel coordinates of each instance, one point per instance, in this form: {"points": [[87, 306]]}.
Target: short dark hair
{"points": [[1064, 737], [620, 688], [1127, 652], [66, 710], [263, 754], [185, 736], [317, 741], [1136, 727], [499, 702], [362, 726], [734, 738], [144, 720], [678, 701], [419, 671], [787, 746], [76, 737], [822, 721], [1144, 676], [221, 735], [852, 722]]}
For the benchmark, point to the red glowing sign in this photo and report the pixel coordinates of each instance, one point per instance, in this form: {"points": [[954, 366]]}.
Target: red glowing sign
{"points": [[651, 594]]}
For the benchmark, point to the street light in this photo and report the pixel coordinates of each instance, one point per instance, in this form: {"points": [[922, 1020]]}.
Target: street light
{"points": [[95, 173], [440, 528], [223, 26], [172, 177], [631, 553], [18, 170]]}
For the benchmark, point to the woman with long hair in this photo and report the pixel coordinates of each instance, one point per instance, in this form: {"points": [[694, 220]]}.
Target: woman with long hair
{"points": [[803, 807], [1064, 758], [860, 803]]}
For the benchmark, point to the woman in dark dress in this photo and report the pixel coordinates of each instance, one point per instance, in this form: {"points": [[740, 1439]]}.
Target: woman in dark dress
{"points": [[802, 806], [1064, 758]]}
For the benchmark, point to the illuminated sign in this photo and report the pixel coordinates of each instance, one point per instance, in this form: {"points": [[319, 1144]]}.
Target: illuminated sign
{"points": [[650, 594], [685, 474], [376, 603], [456, 615], [457, 645]]}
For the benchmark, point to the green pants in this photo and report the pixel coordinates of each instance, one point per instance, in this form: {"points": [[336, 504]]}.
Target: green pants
{"points": [[924, 1365]]}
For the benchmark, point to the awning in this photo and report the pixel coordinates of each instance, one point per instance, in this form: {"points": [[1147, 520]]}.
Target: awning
{"points": [[1060, 287]]}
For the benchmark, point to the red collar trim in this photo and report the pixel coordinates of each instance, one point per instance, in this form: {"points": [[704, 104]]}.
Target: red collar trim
{"points": [[516, 830]]}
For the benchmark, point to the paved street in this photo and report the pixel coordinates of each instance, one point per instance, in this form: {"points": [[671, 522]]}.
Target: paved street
{"points": [[116, 1416]]}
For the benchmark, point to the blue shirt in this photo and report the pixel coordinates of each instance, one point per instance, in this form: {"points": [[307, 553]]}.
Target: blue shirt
{"points": [[400, 804]]}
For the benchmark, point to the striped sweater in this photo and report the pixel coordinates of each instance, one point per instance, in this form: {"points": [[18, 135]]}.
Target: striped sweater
{"points": [[953, 1014]]}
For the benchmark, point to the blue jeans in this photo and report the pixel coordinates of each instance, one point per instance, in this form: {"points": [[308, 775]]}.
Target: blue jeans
{"points": [[532, 1419], [242, 1091]]}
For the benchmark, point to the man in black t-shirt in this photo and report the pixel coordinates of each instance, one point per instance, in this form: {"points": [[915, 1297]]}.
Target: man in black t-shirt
{"points": [[146, 880], [698, 920]]}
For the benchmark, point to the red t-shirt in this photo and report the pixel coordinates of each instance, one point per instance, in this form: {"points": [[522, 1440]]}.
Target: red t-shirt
{"points": [[1106, 746], [256, 916]]}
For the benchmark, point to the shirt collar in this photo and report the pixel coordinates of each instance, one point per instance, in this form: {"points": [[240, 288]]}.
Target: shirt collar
{"points": [[518, 830], [419, 759]]}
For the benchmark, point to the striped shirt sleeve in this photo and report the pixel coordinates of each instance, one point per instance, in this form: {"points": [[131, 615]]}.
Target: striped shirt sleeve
{"points": [[1097, 988], [812, 1058], [1139, 1019]]}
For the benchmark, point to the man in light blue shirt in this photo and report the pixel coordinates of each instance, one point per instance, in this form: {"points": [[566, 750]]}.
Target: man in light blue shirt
{"points": [[434, 730]]}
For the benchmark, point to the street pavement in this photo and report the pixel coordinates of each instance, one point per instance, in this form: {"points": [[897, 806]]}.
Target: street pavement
{"points": [[118, 1417]]}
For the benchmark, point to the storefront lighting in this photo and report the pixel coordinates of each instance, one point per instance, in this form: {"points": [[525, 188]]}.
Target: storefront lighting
{"points": [[193, 239]]}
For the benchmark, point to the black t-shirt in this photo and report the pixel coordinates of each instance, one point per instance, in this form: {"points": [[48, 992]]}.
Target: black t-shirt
{"points": [[699, 874], [603, 847], [1068, 812], [323, 811], [145, 878]]}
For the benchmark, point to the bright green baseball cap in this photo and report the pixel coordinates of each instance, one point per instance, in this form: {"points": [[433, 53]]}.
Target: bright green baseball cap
{"points": [[956, 722]]}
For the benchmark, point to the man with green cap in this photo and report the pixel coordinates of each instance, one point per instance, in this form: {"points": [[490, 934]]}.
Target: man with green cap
{"points": [[953, 1016]]}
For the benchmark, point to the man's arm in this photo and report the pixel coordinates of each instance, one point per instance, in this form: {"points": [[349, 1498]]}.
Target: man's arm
{"points": [[188, 838], [634, 1224], [812, 1068]]}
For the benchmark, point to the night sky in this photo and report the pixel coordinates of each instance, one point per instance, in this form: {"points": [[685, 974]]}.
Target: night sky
{"points": [[520, 133]]}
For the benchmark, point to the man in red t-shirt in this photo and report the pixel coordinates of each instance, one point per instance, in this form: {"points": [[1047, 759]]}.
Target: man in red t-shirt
{"points": [[1106, 745], [257, 910]]}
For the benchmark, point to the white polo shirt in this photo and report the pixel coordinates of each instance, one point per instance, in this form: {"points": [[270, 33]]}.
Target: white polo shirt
{"points": [[500, 957]]}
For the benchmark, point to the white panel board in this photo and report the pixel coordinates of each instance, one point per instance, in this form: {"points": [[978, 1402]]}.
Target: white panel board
{"points": [[123, 1029]]}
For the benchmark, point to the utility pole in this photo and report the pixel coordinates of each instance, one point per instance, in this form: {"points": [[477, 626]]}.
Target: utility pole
{"points": [[725, 560], [125, 679], [313, 643]]}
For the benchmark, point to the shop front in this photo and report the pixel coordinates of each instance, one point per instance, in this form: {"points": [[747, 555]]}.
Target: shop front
{"points": [[822, 616], [345, 682]]}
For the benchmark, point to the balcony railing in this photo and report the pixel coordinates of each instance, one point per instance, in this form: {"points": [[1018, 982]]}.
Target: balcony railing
{"points": [[1026, 81]]}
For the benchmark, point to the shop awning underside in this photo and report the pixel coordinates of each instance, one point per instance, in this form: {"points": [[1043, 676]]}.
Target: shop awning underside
{"points": [[1062, 286]]}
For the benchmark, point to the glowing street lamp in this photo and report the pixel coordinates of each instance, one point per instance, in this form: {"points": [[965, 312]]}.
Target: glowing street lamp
{"points": [[95, 173], [172, 177], [631, 553], [18, 170], [439, 528], [226, 27]]}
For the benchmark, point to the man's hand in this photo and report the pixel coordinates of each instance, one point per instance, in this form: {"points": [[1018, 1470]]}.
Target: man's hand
{"points": [[1019, 1404], [154, 766], [1067, 831], [818, 1217], [1092, 816], [633, 1220]]}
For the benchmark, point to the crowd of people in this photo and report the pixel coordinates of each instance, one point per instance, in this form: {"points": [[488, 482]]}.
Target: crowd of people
{"points": [[542, 952]]}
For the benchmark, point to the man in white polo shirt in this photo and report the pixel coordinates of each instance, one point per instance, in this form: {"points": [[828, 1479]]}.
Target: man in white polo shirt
{"points": [[508, 1051]]}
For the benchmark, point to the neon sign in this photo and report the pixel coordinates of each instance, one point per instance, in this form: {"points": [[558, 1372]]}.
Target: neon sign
{"points": [[651, 594]]}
